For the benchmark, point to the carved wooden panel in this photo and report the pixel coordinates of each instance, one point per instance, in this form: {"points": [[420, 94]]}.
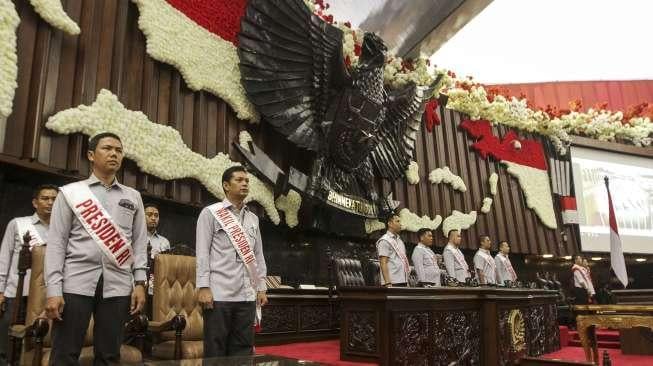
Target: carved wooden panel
{"points": [[362, 327], [279, 318], [411, 338], [314, 317], [335, 315], [535, 330], [552, 330], [457, 337], [542, 333]]}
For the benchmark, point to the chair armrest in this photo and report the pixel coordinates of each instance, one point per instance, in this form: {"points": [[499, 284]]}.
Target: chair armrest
{"points": [[17, 330], [137, 324], [176, 323], [38, 329]]}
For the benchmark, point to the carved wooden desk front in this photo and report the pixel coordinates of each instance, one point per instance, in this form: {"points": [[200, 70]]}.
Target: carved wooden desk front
{"points": [[608, 316], [438, 326]]}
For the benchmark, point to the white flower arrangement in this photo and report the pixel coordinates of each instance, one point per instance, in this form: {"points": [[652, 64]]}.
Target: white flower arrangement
{"points": [[444, 175], [206, 61], [372, 225], [290, 205], [412, 173], [244, 138], [598, 124], [8, 57], [411, 222], [458, 221], [487, 205], [535, 185], [52, 12], [156, 148], [492, 181]]}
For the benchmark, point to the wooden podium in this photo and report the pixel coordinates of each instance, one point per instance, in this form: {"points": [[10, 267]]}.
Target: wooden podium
{"points": [[437, 326]]}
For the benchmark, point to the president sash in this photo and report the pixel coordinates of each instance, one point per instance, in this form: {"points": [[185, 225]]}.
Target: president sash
{"points": [[506, 263], [238, 238], [488, 259], [98, 224], [460, 258], [393, 242]]}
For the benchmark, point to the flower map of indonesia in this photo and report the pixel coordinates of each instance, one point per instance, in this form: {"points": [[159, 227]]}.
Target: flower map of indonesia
{"points": [[524, 159], [172, 160]]}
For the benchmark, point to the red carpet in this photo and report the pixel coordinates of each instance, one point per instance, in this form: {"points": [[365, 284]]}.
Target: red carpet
{"points": [[617, 358], [327, 352]]}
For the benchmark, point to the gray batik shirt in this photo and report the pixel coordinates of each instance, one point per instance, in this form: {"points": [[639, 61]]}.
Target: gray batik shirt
{"points": [[73, 260], [218, 264], [9, 252]]}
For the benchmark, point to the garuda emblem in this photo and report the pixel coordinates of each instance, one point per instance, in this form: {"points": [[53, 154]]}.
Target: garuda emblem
{"points": [[354, 127]]}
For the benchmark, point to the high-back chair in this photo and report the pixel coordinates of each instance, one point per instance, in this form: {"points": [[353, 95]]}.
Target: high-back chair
{"points": [[177, 321], [349, 272], [35, 332]]}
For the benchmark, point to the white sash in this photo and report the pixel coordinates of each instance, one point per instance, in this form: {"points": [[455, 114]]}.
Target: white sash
{"points": [[402, 256], [508, 265], [460, 258], [239, 239], [488, 259], [24, 224], [586, 277], [430, 254], [98, 224]]}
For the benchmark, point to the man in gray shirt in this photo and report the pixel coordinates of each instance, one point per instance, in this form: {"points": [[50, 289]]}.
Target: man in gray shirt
{"points": [[12, 242], [90, 266], [454, 260], [424, 260], [484, 263], [231, 269], [156, 243], [505, 271], [393, 261]]}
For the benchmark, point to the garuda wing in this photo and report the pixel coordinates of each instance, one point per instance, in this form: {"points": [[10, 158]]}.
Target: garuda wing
{"points": [[291, 61], [398, 132]]}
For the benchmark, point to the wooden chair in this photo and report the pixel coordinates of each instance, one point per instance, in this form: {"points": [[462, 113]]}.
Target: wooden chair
{"points": [[177, 324], [34, 332]]}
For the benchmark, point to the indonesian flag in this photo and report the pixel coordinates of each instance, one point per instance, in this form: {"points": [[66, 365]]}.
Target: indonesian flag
{"points": [[616, 250], [524, 159], [569, 211]]}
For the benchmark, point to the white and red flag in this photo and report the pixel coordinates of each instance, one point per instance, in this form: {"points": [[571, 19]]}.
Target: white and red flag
{"points": [[617, 261]]}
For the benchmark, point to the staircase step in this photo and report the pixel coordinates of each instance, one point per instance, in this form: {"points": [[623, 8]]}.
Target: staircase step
{"points": [[602, 344], [601, 335]]}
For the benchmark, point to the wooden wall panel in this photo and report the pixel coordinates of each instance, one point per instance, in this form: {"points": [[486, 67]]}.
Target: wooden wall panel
{"points": [[58, 71]]}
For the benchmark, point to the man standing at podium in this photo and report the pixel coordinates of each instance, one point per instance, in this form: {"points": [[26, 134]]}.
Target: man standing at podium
{"points": [[454, 260], [484, 263], [505, 272], [393, 261], [424, 260]]}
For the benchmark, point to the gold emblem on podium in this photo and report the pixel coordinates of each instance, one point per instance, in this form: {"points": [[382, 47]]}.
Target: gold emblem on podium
{"points": [[517, 330]]}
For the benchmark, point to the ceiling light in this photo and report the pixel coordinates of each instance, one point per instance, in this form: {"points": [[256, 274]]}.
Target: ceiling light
{"points": [[596, 258], [641, 259], [547, 255], [567, 257]]}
